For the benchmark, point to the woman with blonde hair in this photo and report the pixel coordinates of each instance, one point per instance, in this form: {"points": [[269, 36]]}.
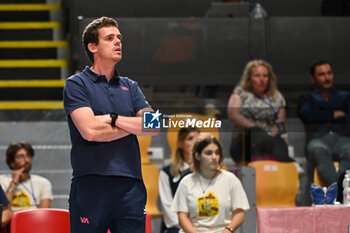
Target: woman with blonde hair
{"points": [[209, 200], [257, 109], [171, 175]]}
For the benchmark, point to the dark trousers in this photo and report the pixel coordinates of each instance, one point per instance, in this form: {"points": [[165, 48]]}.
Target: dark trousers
{"points": [[98, 203], [322, 152], [256, 142]]}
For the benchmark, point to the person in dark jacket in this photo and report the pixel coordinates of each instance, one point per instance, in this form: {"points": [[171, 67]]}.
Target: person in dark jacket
{"points": [[325, 114]]}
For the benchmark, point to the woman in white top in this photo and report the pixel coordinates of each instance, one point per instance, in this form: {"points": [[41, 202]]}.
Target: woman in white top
{"points": [[209, 200], [171, 175]]}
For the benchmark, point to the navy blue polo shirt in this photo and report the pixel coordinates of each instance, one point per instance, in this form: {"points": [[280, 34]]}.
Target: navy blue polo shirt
{"points": [[121, 95], [318, 114], [3, 199]]}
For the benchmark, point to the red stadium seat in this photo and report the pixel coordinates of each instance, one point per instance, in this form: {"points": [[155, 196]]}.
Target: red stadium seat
{"points": [[148, 223], [49, 221], [40, 221]]}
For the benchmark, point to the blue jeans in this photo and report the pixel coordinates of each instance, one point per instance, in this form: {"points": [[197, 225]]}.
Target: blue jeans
{"points": [[323, 151]]}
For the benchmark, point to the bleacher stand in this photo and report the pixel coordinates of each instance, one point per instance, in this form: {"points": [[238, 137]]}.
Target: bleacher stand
{"points": [[31, 96]]}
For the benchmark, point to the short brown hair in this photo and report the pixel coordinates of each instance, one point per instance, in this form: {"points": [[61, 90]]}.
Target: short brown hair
{"points": [[13, 148], [90, 34], [316, 63]]}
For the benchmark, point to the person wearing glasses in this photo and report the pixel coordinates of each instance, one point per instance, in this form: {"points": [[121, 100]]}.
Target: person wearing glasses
{"points": [[209, 200], [24, 190]]}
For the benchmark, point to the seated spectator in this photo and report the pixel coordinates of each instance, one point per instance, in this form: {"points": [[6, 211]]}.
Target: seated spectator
{"points": [[171, 175], [24, 190], [257, 109], [6, 212], [209, 199], [325, 114]]}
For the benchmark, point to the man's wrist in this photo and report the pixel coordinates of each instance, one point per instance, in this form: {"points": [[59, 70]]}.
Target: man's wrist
{"points": [[14, 182], [12, 186], [114, 117], [230, 229], [11, 190]]}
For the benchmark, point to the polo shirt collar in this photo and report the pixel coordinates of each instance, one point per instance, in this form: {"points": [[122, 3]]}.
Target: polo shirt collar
{"points": [[333, 90], [96, 77], [318, 96]]}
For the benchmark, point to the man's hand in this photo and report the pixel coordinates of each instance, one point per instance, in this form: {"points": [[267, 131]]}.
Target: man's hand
{"points": [[339, 113], [274, 130], [16, 174]]}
